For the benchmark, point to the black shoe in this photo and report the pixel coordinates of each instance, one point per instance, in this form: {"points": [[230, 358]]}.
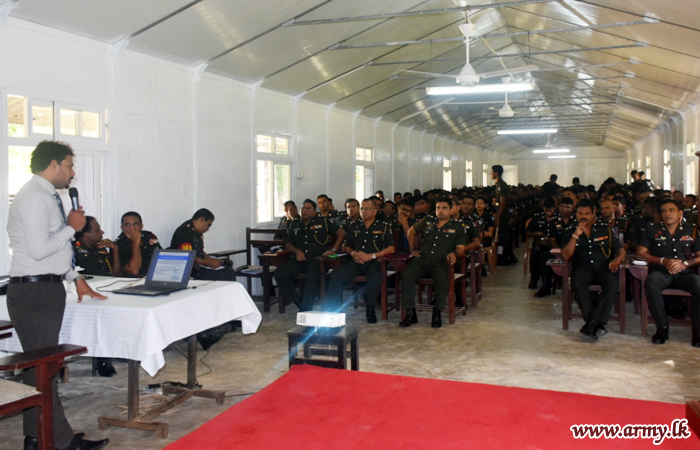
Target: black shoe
{"points": [[589, 330], [600, 331], [371, 315], [79, 443], [105, 368], [661, 335], [437, 319], [298, 303], [695, 342], [543, 292], [532, 285], [410, 318]]}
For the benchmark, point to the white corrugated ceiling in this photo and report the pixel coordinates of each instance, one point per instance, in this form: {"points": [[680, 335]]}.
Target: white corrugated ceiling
{"points": [[606, 86]]}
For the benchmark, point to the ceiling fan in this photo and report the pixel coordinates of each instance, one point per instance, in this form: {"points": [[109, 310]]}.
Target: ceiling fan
{"points": [[506, 111], [468, 76]]}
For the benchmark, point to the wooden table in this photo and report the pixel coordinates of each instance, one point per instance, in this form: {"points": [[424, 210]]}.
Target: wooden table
{"points": [[309, 338]]}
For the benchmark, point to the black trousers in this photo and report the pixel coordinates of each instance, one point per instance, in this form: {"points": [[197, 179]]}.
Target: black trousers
{"points": [[344, 275], [284, 275], [659, 280], [36, 311], [505, 240], [592, 308], [204, 273], [538, 261], [418, 269]]}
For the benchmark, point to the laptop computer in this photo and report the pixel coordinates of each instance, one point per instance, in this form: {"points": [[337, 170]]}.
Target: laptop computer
{"points": [[169, 272]]}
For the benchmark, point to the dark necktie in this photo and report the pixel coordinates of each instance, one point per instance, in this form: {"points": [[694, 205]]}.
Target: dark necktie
{"points": [[63, 213]]}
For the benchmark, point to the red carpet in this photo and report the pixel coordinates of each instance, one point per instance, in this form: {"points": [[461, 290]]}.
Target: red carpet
{"points": [[312, 408]]}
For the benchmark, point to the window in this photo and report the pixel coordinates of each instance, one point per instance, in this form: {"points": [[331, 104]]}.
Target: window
{"points": [[691, 170], [485, 175], [273, 176], [647, 169], [364, 173], [469, 180], [667, 169], [446, 174]]}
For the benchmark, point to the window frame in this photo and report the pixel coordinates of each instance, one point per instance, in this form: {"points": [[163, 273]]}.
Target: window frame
{"points": [[276, 159], [365, 164]]}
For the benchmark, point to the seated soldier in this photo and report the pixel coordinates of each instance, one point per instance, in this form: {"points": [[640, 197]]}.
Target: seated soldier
{"points": [[540, 229], [309, 238], [390, 211], [596, 255], [487, 218], [136, 246], [367, 240], [325, 207], [444, 241], [97, 256], [189, 236], [290, 213], [673, 256], [352, 214], [403, 224]]}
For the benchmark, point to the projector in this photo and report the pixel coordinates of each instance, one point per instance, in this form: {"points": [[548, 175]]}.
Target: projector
{"points": [[320, 319]]}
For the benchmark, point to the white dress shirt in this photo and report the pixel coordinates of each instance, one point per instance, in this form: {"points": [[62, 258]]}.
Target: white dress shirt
{"points": [[39, 238]]}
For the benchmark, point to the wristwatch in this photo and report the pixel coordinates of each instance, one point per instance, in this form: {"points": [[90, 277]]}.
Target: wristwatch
{"points": [[685, 263], [78, 278], [374, 256]]}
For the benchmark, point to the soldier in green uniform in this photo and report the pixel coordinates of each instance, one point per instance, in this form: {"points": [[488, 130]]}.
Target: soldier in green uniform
{"points": [[325, 207], [136, 245], [540, 228], [309, 237], [444, 241], [673, 256], [351, 214], [97, 256], [367, 241], [502, 217], [596, 255]]}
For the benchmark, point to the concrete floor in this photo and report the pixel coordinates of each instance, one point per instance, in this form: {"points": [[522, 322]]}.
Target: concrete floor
{"points": [[510, 339]]}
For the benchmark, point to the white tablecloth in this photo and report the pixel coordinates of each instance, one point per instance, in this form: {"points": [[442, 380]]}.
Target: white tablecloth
{"points": [[139, 328]]}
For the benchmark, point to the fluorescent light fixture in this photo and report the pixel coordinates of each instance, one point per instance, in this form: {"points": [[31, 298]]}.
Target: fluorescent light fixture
{"points": [[562, 157], [480, 89], [529, 131], [552, 150]]}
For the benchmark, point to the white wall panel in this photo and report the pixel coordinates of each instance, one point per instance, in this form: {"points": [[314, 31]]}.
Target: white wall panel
{"points": [[593, 165], [401, 178], [364, 132], [60, 65], [382, 166], [224, 149], [341, 173], [155, 158], [274, 113], [434, 165], [415, 169], [312, 142]]}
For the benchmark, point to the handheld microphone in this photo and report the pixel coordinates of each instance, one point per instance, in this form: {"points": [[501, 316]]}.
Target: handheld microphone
{"points": [[73, 194]]}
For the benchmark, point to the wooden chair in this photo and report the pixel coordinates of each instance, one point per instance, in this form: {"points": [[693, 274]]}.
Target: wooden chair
{"points": [[528, 250], [567, 298], [492, 252], [15, 397], [476, 262], [273, 236], [331, 263], [459, 281], [640, 272]]}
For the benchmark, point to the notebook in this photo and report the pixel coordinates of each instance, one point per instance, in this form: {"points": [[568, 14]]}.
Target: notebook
{"points": [[169, 272]]}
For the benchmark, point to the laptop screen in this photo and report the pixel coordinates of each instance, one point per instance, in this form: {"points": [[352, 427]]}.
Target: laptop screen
{"points": [[170, 267]]}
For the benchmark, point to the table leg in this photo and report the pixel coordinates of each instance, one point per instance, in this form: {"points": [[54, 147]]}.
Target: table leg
{"points": [[191, 361], [342, 357], [355, 360], [292, 347], [133, 381]]}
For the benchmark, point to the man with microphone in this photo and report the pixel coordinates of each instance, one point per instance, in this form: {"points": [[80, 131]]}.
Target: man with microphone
{"points": [[596, 256], [42, 257]]}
